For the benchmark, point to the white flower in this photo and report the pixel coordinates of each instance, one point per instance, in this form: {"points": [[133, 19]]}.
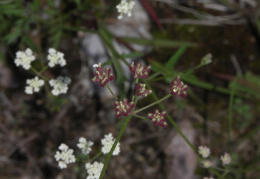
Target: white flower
{"points": [[206, 163], [64, 156], [33, 85], [125, 7], [107, 143], [226, 159], [60, 85], [94, 170], [24, 59], [97, 65], [204, 151], [84, 145], [55, 58]]}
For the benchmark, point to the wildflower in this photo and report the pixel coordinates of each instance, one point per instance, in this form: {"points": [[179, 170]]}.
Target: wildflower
{"points": [[64, 156], [158, 118], [33, 85], [102, 76], [24, 59], [55, 58], [84, 145], [125, 7], [139, 71], [94, 170], [178, 87], [208, 178], [207, 59], [60, 85], [204, 151], [206, 163], [123, 108], [226, 159], [107, 143], [141, 91]]}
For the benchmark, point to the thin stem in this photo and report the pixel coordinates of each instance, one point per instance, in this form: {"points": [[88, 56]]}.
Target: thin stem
{"points": [[44, 69], [108, 87], [95, 157], [141, 117], [114, 145], [152, 104]]}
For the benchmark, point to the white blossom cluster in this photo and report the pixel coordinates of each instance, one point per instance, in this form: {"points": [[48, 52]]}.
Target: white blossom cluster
{"points": [[54, 57], [24, 59], [60, 85], [33, 85], [84, 145], [64, 156], [204, 151], [125, 7], [94, 170], [107, 143]]}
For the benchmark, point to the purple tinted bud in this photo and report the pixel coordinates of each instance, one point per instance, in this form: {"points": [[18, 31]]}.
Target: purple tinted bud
{"points": [[158, 118], [123, 108], [139, 71], [102, 76], [178, 88]]}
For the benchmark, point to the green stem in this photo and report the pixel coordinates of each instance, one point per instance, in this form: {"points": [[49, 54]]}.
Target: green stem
{"points": [[141, 117], [152, 104], [95, 157], [114, 146], [44, 69], [108, 87]]}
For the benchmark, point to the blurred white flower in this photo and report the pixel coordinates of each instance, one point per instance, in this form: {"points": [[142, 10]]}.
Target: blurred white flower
{"points": [[55, 58], [125, 7], [64, 156], [94, 170], [24, 59], [206, 163], [204, 151], [107, 143], [60, 85], [33, 85], [84, 145], [226, 159]]}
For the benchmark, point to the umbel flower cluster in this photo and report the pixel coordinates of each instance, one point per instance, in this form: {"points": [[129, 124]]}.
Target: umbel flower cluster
{"points": [[204, 151], [125, 107], [65, 155], [59, 85]]}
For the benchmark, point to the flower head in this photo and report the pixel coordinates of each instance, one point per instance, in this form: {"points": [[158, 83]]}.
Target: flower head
{"points": [[60, 85], [107, 144], [102, 76], [178, 88], [33, 85], [226, 159], [123, 108], [24, 59], [54, 57], [84, 145], [139, 71], [206, 163], [94, 170], [141, 91], [125, 7], [158, 118], [64, 156], [204, 151]]}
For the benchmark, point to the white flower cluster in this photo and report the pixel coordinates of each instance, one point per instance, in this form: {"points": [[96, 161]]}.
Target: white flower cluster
{"points": [[60, 85], [33, 85], [204, 151], [107, 143], [125, 7], [84, 145], [64, 156], [24, 59], [54, 57], [94, 170]]}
